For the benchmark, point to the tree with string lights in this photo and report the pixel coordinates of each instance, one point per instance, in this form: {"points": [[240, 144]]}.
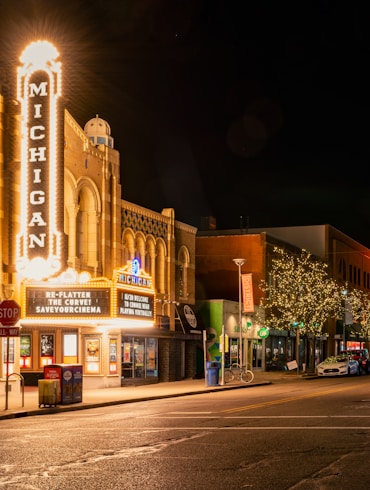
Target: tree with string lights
{"points": [[358, 308], [299, 297]]}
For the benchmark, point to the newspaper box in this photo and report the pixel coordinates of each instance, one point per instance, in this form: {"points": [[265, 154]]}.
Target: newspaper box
{"points": [[69, 377]]}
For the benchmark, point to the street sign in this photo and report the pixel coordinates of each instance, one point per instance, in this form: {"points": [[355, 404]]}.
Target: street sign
{"points": [[9, 331], [10, 313], [263, 333]]}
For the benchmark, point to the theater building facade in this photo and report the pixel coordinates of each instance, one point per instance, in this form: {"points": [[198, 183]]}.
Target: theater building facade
{"points": [[101, 282]]}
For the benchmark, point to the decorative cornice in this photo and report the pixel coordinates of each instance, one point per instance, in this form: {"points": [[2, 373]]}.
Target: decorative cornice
{"points": [[134, 208], [185, 227]]}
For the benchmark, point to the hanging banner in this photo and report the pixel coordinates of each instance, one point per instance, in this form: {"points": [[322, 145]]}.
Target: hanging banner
{"points": [[247, 287]]}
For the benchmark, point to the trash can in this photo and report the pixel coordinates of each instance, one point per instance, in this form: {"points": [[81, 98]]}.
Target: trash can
{"points": [[49, 392], [69, 377], [213, 368]]}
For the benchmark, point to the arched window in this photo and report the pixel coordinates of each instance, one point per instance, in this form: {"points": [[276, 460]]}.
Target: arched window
{"points": [[150, 258], [182, 272], [140, 249], [128, 245], [160, 268], [87, 225]]}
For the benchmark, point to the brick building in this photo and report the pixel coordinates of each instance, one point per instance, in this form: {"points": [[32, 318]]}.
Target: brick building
{"points": [[217, 286]]}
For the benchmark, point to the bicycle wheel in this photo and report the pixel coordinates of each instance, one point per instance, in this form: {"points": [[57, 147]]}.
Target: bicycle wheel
{"points": [[247, 376], [228, 375]]}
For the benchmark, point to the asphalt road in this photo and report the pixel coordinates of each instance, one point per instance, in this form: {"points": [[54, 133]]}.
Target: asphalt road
{"points": [[294, 435]]}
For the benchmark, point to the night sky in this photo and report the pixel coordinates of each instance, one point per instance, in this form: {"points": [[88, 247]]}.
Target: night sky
{"points": [[253, 112]]}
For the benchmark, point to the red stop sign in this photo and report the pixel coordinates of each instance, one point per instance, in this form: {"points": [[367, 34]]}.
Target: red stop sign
{"points": [[10, 312]]}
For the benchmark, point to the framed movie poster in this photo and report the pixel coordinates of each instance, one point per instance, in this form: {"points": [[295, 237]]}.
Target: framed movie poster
{"points": [[25, 350], [92, 349], [46, 349], [112, 356], [47, 345], [25, 345], [92, 355]]}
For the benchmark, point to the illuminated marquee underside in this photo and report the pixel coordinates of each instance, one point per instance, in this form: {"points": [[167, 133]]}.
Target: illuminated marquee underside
{"points": [[39, 86]]}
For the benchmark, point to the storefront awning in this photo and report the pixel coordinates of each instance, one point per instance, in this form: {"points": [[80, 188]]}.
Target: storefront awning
{"points": [[188, 320]]}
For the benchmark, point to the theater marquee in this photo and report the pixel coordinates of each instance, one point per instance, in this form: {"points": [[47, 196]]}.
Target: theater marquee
{"points": [[128, 296], [131, 304], [41, 302]]}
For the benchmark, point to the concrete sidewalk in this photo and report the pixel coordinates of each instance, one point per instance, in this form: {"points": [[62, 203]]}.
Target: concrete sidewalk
{"points": [[22, 404]]}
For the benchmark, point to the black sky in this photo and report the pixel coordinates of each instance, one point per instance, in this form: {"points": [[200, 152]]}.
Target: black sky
{"points": [[221, 107]]}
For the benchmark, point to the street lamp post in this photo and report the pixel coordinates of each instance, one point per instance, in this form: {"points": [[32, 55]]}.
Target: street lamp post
{"points": [[239, 263], [344, 294]]}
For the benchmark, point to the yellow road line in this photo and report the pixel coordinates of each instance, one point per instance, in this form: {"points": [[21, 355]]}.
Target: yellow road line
{"points": [[286, 400]]}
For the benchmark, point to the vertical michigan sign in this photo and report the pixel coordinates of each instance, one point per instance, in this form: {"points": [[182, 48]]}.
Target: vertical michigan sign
{"points": [[39, 86]]}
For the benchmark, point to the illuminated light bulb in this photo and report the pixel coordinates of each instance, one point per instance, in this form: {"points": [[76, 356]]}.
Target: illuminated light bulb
{"points": [[84, 277], [39, 53], [37, 269], [69, 276], [55, 264]]}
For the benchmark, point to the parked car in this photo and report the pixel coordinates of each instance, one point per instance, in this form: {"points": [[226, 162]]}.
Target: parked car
{"points": [[341, 365], [362, 356]]}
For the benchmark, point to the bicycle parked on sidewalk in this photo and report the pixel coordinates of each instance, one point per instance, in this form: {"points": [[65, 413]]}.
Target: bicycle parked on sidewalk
{"points": [[237, 373]]}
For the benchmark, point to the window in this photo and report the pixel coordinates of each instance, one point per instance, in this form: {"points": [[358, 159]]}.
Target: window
{"points": [[8, 346], [184, 260], [86, 226], [70, 353]]}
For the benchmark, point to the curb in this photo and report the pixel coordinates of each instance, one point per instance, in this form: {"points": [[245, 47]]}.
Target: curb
{"points": [[85, 406]]}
